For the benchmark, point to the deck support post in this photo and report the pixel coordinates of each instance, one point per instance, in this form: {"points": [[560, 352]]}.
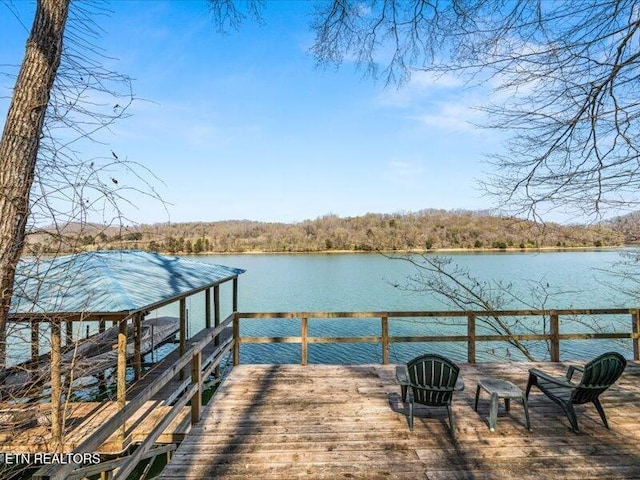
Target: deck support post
{"points": [[56, 385], [304, 331], [121, 382], [207, 308], [216, 321], [235, 294], [196, 379], [137, 350], [471, 336], [183, 331], [385, 339], [35, 339], [635, 319], [68, 341], [555, 338], [236, 339]]}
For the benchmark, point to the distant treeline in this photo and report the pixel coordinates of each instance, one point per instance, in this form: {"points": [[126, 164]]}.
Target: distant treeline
{"points": [[425, 230]]}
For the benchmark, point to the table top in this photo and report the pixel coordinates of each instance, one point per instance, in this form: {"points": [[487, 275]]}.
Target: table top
{"points": [[502, 388]]}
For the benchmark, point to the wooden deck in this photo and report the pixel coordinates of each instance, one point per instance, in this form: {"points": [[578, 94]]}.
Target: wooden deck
{"points": [[83, 418], [331, 422]]}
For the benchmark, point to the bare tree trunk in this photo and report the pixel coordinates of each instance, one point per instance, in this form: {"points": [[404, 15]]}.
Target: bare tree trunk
{"points": [[21, 138]]}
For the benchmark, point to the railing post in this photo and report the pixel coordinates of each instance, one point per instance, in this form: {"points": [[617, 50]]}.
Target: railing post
{"points": [[235, 294], [471, 335], [635, 319], [68, 341], [555, 338], [122, 372], [183, 331], [56, 386], [207, 308], [216, 321], [35, 339], [196, 379], [304, 330], [236, 339], [385, 339], [137, 355]]}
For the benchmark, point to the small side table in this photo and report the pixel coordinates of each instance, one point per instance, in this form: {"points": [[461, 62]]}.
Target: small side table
{"points": [[498, 388]]}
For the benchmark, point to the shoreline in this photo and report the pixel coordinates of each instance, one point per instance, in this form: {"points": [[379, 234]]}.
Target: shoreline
{"points": [[417, 251]]}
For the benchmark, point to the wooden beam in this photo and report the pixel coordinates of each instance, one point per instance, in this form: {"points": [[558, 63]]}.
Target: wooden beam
{"points": [[68, 333], [216, 320], [196, 379], [471, 335], [236, 340], [555, 338], [635, 329], [56, 386], [121, 380], [207, 308], [183, 326], [385, 339], [304, 332], [437, 313], [137, 349], [35, 340], [183, 330], [235, 294]]}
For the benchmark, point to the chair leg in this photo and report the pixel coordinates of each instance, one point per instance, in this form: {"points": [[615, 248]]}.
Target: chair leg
{"points": [[598, 405], [525, 404], [403, 390], [411, 413], [571, 415], [530, 383], [451, 424]]}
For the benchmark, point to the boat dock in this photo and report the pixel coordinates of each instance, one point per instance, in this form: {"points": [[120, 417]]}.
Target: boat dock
{"points": [[330, 422]]}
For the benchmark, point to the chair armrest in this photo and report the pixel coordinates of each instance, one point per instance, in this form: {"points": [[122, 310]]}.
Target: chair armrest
{"points": [[548, 378], [459, 385], [572, 369], [402, 375]]}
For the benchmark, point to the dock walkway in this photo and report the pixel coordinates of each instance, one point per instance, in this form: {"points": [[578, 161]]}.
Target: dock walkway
{"points": [[331, 422]]}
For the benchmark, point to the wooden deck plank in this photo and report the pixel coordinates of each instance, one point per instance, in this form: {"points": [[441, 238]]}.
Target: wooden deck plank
{"points": [[331, 421], [84, 418]]}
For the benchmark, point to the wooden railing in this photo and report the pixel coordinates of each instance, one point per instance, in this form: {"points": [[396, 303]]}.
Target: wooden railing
{"points": [[553, 336], [191, 355], [200, 369]]}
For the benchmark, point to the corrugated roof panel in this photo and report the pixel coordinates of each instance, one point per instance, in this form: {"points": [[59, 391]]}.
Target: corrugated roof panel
{"points": [[109, 281]]}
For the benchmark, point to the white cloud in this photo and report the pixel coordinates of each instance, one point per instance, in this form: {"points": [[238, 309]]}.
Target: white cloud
{"points": [[455, 116], [422, 86]]}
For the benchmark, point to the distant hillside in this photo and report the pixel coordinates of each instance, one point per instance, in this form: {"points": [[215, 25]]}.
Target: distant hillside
{"points": [[628, 226], [425, 230]]}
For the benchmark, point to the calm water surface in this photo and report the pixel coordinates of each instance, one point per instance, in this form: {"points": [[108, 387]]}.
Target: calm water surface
{"points": [[365, 282]]}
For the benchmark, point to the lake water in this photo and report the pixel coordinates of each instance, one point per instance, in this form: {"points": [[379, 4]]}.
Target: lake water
{"points": [[365, 282]]}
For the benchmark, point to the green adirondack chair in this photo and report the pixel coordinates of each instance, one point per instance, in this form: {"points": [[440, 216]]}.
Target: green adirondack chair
{"points": [[597, 376], [429, 380]]}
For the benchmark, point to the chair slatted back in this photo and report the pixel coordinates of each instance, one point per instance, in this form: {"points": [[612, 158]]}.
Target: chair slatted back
{"points": [[599, 374], [433, 379]]}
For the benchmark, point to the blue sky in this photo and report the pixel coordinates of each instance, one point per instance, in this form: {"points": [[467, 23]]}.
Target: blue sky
{"points": [[243, 126]]}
